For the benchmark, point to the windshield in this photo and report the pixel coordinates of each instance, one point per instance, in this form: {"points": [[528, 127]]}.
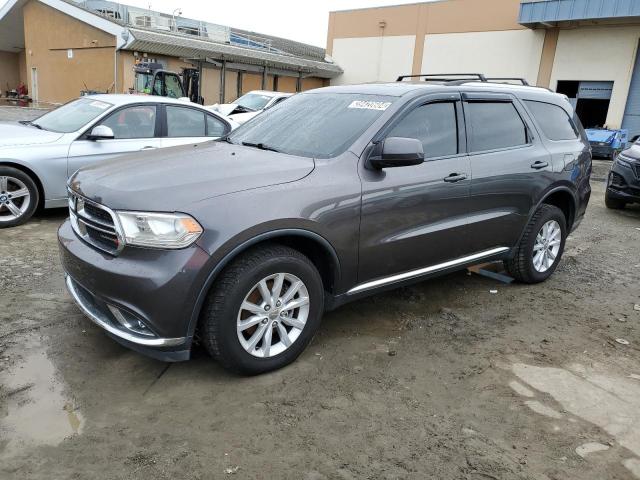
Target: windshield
{"points": [[72, 116], [253, 101], [318, 125]]}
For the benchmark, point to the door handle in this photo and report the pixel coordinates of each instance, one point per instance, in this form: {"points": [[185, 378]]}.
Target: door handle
{"points": [[455, 177], [539, 165]]}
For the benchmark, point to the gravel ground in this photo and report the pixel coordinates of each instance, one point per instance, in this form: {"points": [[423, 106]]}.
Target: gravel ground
{"points": [[440, 380]]}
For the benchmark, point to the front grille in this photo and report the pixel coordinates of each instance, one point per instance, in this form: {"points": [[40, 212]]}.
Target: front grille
{"points": [[94, 223]]}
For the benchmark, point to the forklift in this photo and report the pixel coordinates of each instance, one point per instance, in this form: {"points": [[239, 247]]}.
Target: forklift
{"points": [[152, 79]]}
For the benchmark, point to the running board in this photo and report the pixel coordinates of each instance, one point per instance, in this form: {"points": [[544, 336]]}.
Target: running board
{"points": [[423, 271]]}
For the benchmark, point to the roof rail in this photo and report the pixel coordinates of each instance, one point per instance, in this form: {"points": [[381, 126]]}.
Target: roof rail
{"points": [[508, 79], [446, 77]]}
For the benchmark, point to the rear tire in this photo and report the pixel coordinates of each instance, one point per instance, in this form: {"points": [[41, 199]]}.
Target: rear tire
{"points": [[276, 335], [613, 203], [19, 197], [540, 249]]}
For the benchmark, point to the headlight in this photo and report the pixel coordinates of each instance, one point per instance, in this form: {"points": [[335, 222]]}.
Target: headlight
{"points": [[622, 162], [159, 230]]}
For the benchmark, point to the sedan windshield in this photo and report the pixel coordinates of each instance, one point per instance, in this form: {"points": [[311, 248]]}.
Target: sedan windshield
{"points": [[72, 116], [253, 101], [317, 125]]}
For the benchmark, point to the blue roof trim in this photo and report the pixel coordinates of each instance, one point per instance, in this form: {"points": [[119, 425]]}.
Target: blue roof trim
{"points": [[549, 11]]}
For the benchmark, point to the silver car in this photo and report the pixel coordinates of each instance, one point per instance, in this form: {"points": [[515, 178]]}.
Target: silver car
{"points": [[37, 157]]}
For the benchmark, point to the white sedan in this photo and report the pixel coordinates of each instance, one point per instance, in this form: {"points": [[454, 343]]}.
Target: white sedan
{"points": [[249, 105], [37, 157]]}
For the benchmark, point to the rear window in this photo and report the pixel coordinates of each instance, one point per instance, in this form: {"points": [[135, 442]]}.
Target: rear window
{"points": [[495, 125], [553, 120]]}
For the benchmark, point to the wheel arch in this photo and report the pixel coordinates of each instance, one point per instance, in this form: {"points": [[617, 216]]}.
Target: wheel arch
{"points": [[27, 171], [311, 244], [565, 200]]}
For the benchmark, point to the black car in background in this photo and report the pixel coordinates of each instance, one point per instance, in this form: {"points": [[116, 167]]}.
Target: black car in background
{"points": [[623, 183], [333, 195]]}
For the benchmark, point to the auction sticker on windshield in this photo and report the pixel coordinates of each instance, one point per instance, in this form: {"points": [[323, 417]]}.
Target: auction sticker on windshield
{"points": [[369, 105]]}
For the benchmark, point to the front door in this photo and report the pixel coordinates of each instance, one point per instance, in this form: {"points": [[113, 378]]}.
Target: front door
{"points": [[135, 128], [415, 217]]}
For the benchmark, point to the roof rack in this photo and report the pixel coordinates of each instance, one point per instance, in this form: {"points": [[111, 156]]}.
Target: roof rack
{"points": [[446, 77], [508, 79]]}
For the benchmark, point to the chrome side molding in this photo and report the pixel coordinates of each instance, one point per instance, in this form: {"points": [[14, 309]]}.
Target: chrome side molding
{"points": [[423, 271]]}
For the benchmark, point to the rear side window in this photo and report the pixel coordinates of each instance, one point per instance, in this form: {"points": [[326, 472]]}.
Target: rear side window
{"points": [[495, 125], [553, 120], [434, 125], [185, 122]]}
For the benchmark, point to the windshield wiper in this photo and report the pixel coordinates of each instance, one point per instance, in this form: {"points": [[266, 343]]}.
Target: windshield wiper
{"points": [[261, 146], [28, 122]]}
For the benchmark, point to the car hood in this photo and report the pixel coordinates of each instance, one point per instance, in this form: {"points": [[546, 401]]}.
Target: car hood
{"points": [[171, 179], [14, 134], [633, 152], [241, 118], [224, 108]]}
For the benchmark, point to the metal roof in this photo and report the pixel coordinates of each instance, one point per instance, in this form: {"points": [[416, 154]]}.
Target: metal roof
{"points": [[533, 12], [187, 46]]}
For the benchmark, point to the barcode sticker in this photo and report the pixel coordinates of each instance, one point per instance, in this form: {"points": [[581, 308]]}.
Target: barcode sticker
{"points": [[369, 105]]}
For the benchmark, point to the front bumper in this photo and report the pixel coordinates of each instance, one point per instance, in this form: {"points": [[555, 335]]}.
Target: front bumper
{"points": [[623, 183], [158, 288]]}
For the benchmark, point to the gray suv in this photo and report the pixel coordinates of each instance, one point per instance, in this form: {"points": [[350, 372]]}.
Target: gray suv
{"points": [[241, 244]]}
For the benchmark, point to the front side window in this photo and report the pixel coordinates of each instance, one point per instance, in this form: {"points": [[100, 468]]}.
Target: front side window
{"points": [[434, 125], [72, 116], [317, 125], [185, 122], [553, 120], [495, 125], [138, 121]]}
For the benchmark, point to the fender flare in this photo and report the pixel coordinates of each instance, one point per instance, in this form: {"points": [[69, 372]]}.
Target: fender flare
{"points": [[237, 250]]}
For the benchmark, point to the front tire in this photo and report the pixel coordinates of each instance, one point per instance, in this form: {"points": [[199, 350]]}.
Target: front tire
{"points": [[613, 203], [18, 197], [263, 310], [540, 249]]}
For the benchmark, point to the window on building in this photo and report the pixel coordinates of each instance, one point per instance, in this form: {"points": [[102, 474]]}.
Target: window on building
{"points": [[138, 121], [495, 125], [434, 125], [185, 122], [553, 120]]}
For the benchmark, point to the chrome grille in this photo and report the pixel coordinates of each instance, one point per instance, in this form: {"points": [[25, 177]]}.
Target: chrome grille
{"points": [[95, 224]]}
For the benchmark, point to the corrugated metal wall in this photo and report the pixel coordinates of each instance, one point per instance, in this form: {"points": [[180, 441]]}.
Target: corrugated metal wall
{"points": [[631, 119]]}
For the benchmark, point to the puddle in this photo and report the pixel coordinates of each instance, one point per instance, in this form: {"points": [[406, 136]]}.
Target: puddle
{"points": [[612, 402], [38, 412]]}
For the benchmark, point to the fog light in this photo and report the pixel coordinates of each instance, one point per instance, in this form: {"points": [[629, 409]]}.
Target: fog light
{"points": [[130, 322]]}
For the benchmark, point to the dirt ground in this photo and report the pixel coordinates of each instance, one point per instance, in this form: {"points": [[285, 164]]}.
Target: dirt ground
{"points": [[442, 380]]}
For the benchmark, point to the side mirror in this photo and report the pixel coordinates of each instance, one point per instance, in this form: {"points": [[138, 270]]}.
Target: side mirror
{"points": [[397, 152], [101, 132]]}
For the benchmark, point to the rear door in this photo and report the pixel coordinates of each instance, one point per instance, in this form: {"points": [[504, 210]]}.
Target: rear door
{"points": [[135, 128], [184, 125], [510, 167], [415, 217]]}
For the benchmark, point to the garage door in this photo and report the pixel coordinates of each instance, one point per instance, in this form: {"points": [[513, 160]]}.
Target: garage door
{"points": [[631, 120]]}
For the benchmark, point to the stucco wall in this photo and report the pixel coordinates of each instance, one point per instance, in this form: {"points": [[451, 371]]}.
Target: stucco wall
{"points": [[509, 53], [9, 71], [371, 59], [48, 35], [599, 53]]}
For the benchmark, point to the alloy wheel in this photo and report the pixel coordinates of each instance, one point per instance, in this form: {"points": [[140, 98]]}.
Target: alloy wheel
{"points": [[547, 246], [273, 315], [15, 198]]}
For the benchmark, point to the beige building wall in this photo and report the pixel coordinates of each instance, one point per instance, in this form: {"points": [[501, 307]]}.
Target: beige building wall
{"points": [[599, 54], [371, 59], [9, 71], [507, 53], [49, 34]]}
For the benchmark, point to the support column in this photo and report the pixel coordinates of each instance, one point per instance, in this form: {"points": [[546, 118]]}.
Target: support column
{"points": [[264, 78], [299, 83], [548, 57], [223, 79]]}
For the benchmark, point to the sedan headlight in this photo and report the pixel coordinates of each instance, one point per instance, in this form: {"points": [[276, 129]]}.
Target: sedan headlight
{"points": [[159, 230]]}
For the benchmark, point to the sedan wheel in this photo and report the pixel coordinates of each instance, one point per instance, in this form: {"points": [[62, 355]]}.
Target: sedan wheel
{"points": [[18, 197]]}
